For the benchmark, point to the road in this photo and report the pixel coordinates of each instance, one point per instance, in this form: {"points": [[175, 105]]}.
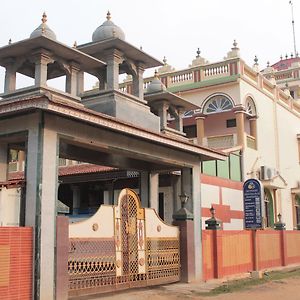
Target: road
{"points": [[277, 289]]}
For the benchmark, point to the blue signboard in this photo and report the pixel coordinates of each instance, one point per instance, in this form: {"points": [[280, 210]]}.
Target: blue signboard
{"points": [[253, 196]]}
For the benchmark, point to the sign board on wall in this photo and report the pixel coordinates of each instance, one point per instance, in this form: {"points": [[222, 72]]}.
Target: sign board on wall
{"points": [[253, 208]]}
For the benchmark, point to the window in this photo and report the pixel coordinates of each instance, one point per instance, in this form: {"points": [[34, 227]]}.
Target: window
{"points": [[229, 169], [217, 104], [250, 107], [231, 123]]}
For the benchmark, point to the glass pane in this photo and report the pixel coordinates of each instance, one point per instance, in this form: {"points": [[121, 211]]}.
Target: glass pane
{"points": [[223, 168], [235, 167], [209, 167]]}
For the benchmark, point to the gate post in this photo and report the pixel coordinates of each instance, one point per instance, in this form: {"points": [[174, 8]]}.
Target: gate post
{"points": [[62, 252], [185, 221]]}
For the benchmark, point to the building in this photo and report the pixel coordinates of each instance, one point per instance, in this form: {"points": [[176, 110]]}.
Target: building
{"points": [[194, 134]]}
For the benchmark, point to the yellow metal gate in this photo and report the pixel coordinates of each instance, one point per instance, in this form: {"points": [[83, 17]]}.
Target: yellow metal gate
{"points": [[121, 247]]}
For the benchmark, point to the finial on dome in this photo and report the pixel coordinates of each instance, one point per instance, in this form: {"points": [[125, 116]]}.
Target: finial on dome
{"points": [[44, 18], [165, 60], [292, 55], [155, 74], [268, 64], [235, 43], [255, 60], [108, 16], [43, 29], [281, 57], [198, 53], [141, 47], [286, 56], [9, 41], [75, 44]]}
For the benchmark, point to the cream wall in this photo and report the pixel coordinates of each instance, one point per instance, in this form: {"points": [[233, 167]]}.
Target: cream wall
{"points": [[277, 146], [266, 139], [9, 207]]}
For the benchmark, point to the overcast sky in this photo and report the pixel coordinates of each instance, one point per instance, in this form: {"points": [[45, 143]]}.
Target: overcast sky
{"points": [[170, 28]]}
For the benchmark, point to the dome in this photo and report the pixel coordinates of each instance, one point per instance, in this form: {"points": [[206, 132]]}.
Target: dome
{"points": [[108, 30], [43, 30], [156, 85]]}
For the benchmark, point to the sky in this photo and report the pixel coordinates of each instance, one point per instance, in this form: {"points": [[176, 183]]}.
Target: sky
{"points": [[170, 28]]}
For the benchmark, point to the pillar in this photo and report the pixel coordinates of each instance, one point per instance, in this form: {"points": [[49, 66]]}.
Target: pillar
{"points": [[10, 77], [190, 185], [153, 190], [180, 120], [197, 219], [113, 59], [138, 83], [144, 188], [80, 83], [102, 80], [72, 80], [163, 114], [76, 199], [240, 124], [41, 195], [41, 61], [62, 254], [3, 162], [200, 129], [21, 160]]}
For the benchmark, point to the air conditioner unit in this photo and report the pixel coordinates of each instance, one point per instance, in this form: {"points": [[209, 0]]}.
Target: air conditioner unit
{"points": [[267, 173]]}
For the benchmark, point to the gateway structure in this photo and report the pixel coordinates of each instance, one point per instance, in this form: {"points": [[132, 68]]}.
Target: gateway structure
{"points": [[105, 127]]}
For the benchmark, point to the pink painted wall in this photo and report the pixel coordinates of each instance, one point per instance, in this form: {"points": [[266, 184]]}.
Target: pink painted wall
{"points": [[215, 124]]}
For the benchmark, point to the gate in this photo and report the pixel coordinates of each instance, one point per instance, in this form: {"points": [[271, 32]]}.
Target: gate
{"points": [[121, 247]]}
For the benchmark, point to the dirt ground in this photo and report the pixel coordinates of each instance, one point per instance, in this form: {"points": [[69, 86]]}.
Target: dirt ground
{"points": [[277, 289]]}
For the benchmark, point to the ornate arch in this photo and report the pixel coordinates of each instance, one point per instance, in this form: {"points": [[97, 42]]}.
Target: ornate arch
{"points": [[217, 103]]}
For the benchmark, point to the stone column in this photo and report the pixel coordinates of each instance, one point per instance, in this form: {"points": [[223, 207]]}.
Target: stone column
{"points": [[144, 188], [197, 219], [162, 108], [80, 83], [138, 83], [102, 80], [10, 77], [71, 80], [41, 61], [154, 190], [113, 60], [3, 162], [191, 224], [21, 160], [183, 218], [253, 129], [41, 195], [240, 124], [180, 119], [200, 119], [76, 199]]}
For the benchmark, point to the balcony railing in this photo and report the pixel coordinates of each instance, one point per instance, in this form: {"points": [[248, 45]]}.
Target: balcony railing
{"points": [[251, 142], [221, 141]]}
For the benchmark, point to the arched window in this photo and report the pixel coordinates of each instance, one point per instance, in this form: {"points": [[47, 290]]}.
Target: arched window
{"points": [[250, 107], [217, 104]]}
